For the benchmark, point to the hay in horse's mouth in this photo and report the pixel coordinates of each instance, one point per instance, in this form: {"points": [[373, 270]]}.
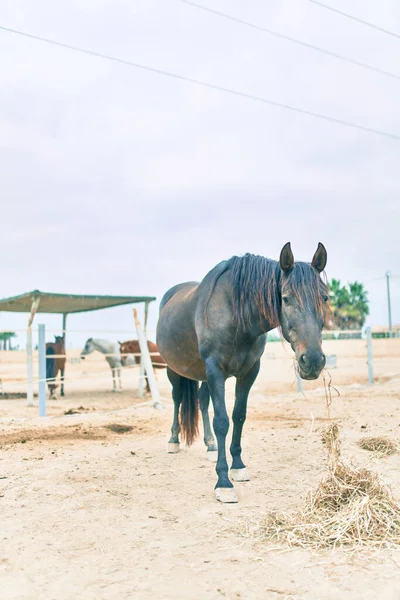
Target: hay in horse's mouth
{"points": [[350, 507]]}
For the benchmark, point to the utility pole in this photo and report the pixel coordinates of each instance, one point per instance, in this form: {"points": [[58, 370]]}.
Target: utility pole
{"points": [[388, 301]]}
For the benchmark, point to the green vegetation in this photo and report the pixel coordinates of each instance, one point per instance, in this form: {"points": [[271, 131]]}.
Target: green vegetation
{"points": [[349, 304], [5, 339]]}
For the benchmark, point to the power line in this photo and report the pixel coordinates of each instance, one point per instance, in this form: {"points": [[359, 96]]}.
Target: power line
{"points": [[339, 12], [290, 39], [205, 84]]}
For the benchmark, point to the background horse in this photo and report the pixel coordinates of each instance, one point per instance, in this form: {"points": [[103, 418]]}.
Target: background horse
{"points": [[113, 357], [55, 364], [133, 347], [216, 329]]}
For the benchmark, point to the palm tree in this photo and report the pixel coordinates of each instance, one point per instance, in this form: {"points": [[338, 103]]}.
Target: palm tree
{"points": [[349, 304], [5, 337]]}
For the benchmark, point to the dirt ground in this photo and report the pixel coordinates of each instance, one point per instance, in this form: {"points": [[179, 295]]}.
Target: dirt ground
{"points": [[94, 512]]}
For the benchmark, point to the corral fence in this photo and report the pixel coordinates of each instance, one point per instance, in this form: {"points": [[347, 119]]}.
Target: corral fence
{"points": [[15, 382], [353, 358]]}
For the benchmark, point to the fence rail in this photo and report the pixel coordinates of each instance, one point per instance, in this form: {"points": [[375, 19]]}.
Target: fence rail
{"points": [[367, 358]]}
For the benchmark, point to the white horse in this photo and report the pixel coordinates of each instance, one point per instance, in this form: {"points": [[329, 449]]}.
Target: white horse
{"points": [[113, 356]]}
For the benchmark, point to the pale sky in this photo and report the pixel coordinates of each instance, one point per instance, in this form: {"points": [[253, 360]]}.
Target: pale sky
{"points": [[119, 181]]}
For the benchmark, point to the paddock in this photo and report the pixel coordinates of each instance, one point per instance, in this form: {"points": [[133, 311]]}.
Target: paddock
{"points": [[93, 511]]}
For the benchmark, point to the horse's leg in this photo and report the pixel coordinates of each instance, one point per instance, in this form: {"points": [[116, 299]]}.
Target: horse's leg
{"points": [[119, 378], [175, 379], [204, 399], [113, 378], [224, 491], [243, 386]]}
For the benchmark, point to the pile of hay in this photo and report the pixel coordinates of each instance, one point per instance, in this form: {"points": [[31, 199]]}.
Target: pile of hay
{"points": [[383, 446], [350, 506]]}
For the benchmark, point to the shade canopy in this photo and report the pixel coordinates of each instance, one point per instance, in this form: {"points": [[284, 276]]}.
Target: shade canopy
{"points": [[66, 303]]}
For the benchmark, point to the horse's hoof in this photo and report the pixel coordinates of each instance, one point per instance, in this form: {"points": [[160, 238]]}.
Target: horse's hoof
{"points": [[212, 456], [226, 495], [173, 448], [240, 474]]}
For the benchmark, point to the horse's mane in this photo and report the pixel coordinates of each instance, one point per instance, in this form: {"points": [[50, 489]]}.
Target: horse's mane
{"points": [[258, 284], [256, 289]]}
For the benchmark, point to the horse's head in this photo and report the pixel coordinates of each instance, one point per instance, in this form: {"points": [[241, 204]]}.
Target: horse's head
{"points": [[124, 348], [304, 298], [88, 348], [58, 339]]}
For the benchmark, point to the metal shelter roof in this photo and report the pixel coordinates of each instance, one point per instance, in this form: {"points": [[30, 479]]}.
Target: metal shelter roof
{"points": [[66, 303]]}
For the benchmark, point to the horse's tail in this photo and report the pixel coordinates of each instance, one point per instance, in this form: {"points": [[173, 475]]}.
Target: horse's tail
{"points": [[50, 364], [189, 420]]}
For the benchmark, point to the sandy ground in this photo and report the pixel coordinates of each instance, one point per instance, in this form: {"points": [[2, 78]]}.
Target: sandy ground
{"points": [[90, 513]]}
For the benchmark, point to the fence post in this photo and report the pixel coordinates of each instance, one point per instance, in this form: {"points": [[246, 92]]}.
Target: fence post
{"points": [[42, 371], [369, 354], [299, 383], [147, 364]]}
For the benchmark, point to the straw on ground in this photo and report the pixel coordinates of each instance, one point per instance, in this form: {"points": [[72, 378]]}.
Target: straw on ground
{"points": [[351, 506]]}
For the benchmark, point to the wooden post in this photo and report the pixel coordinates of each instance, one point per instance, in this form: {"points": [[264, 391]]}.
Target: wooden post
{"points": [[29, 353], [148, 367], [42, 371], [369, 354]]}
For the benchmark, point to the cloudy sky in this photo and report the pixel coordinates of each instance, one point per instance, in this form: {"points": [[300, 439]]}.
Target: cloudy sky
{"points": [[115, 180]]}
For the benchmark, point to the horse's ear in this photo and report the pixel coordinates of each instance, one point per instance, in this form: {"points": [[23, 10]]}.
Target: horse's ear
{"points": [[286, 258], [320, 258]]}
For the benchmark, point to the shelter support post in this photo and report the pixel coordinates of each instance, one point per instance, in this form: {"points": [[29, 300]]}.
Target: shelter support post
{"points": [[148, 367], [29, 368], [42, 371], [29, 353], [142, 369], [64, 327]]}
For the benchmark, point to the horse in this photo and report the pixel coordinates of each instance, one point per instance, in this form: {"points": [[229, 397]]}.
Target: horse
{"points": [[133, 347], [55, 364], [215, 329], [113, 357]]}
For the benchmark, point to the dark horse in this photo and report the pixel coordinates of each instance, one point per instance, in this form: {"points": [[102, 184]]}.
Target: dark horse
{"points": [[133, 347], [216, 329], [55, 363]]}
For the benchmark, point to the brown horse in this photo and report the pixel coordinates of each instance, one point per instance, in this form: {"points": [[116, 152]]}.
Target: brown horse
{"points": [[56, 364], [133, 347]]}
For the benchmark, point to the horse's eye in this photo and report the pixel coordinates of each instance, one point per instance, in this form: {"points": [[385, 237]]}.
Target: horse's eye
{"points": [[326, 298], [285, 300]]}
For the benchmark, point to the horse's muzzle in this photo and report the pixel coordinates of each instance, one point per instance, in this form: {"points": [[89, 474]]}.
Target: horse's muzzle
{"points": [[311, 365]]}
